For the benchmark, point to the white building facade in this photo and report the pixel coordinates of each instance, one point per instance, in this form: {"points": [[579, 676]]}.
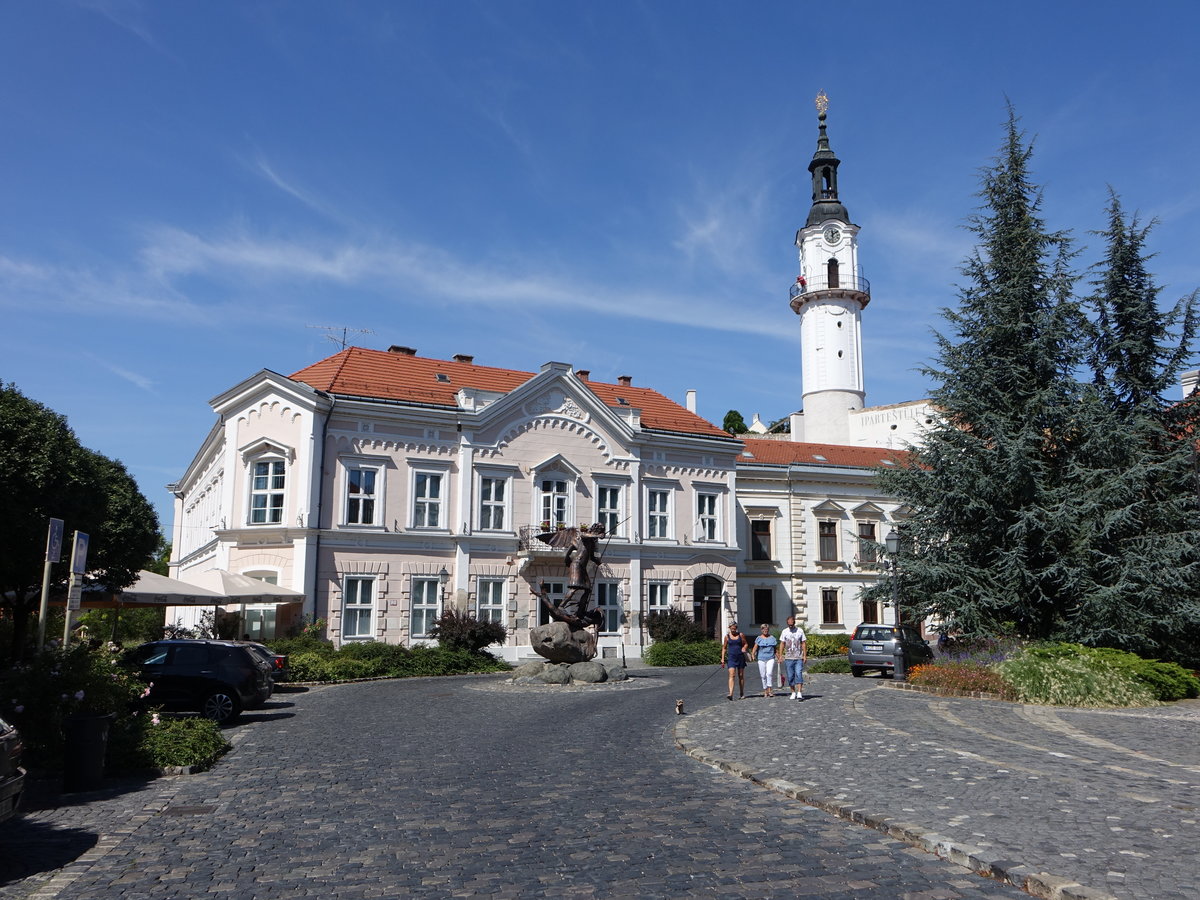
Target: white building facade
{"points": [[387, 487]]}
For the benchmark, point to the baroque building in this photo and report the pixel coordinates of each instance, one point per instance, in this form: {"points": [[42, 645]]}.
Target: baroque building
{"points": [[387, 487]]}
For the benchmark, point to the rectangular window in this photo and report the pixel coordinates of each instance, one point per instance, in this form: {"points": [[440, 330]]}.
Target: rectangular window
{"points": [[266, 492], [831, 607], [493, 493], [706, 509], [870, 612], [427, 500], [760, 539], [555, 591], [658, 597], [658, 514], [764, 606], [609, 603], [426, 605], [360, 496], [554, 502], [358, 620], [491, 600], [827, 541], [866, 542], [608, 509]]}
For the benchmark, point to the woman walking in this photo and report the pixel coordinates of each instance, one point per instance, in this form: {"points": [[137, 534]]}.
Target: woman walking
{"points": [[764, 653], [734, 649]]}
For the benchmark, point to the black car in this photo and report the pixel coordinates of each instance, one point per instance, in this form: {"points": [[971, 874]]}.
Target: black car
{"points": [[12, 776], [218, 679], [277, 661], [875, 647]]}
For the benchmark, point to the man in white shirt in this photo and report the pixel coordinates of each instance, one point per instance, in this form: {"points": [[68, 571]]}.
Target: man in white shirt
{"points": [[793, 650]]}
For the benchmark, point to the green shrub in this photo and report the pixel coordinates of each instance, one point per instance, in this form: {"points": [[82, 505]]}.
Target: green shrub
{"points": [[674, 625], [303, 643], [307, 666], [373, 659], [187, 741], [828, 644], [39, 695], [962, 676], [836, 665], [1070, 675], [1169, 681], [456, 630], [683, 653]]}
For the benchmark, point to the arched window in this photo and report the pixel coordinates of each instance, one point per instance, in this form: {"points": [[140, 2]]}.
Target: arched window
{"points": [[831, 269]]}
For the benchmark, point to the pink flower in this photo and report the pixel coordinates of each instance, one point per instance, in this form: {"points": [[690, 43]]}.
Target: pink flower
{"points": [[154, 719]]}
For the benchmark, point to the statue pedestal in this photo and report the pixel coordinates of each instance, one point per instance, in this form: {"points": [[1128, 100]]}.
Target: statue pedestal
{"points": [[559, 642]]}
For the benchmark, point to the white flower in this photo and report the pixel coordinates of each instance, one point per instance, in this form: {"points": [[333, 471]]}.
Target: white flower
{"points": [[154, 719]]}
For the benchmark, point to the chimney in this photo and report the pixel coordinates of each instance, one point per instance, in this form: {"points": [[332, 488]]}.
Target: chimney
{"points": [[583, 374], [463, 358], [624, 380], [691, 401], [403, 351]]}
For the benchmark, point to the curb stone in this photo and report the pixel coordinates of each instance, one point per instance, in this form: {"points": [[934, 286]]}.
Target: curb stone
{"points": [[1038, 884]]}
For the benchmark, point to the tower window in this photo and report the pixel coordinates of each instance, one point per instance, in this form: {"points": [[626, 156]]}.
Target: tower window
{"points": [[831, 269]]}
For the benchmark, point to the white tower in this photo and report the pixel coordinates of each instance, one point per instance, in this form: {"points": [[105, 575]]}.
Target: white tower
{"points": [[829, 297]]}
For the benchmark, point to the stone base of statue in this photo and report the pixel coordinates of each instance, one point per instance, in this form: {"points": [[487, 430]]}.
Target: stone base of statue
{"points": [[560, 643]]}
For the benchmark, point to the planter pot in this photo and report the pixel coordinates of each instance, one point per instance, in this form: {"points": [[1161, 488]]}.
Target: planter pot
{"points": [[86, 741]]}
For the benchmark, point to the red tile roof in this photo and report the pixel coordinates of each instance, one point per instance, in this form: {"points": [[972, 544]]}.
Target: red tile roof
{"points": [[782, 453], [384, 375]]}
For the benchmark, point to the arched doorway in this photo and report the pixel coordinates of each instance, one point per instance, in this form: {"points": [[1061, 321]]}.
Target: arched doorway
{"points": [[706, 602]]}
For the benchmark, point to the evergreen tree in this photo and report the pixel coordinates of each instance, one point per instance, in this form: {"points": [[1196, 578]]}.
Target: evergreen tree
{"points": [[990, 539], [1136, 464], [734, 423]]}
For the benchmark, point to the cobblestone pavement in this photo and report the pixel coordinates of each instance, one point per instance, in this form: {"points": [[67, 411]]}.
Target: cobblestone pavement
{"points": [[455, 788], [1106, 800]]}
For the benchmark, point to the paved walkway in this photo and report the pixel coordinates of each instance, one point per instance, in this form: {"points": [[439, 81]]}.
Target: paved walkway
{"points": [[459, 787], [1086, 803]]}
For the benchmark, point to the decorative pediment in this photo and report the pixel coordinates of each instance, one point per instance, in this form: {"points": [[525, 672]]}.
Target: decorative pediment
{"points": [[266, 447], [830, 508], [556, 463], [556, 402], [868, 510]]}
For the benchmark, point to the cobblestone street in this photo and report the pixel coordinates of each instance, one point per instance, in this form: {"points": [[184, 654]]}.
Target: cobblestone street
{"points": [[460, 787]]}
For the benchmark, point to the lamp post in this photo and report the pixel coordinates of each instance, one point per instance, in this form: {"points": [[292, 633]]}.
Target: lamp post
{"points": [[892, 542], [443, 580]]}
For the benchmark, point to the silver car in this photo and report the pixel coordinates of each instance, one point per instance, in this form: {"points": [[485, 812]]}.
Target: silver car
{"points": [[876, 646]]}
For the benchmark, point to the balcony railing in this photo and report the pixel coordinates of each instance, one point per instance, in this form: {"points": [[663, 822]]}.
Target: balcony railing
{"points": [[841, 282], [529, 542]]}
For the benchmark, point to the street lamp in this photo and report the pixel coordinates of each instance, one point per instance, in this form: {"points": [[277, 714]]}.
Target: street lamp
{"points": [[892, 542], [443, 580]]}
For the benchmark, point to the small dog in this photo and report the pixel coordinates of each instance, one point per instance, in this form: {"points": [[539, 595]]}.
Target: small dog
{"points": [[679, 707]]}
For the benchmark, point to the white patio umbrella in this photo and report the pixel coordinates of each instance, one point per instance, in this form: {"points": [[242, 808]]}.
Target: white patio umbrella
{"points": [[234, 588], [151, 589]]}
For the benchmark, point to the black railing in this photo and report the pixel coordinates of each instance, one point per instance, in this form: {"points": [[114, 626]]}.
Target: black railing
{"points": [[841, 282]]}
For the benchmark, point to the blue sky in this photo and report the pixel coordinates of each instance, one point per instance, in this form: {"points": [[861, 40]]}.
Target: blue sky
{"points": [[187, 187]]}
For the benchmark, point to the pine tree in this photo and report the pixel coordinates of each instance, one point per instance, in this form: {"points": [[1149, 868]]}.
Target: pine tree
{"points": [[989, 540], [1139, 510], [734, 423]]}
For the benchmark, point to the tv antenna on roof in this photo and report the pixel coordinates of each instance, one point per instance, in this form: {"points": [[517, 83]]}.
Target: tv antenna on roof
{"points": [[331, 333]]}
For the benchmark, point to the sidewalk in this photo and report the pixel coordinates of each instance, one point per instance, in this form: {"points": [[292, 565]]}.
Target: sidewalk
{"points": [[1066, 803]]}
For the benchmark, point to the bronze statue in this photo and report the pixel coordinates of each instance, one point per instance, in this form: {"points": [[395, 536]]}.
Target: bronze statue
{"points": [[575, 607]]}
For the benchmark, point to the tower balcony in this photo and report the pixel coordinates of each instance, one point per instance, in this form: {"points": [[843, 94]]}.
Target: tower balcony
{"points": [[845, 287]]}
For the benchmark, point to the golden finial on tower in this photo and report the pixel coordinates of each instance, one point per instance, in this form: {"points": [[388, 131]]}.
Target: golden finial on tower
{"points": [[822, 103]]}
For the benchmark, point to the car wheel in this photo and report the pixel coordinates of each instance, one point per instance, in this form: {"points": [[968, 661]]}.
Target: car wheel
{"points": [[221, 707], [856, 671]]}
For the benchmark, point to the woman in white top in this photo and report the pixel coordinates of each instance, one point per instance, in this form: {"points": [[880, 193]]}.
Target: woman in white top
{"points": [[764, 652]]}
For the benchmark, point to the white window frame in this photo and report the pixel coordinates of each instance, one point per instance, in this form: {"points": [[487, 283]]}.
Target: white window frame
{"points": [[708, 517], [832, 525], [555, 592], [548, 501], [375, 498], [422, 503], [610, 515], [277, 468], [658, 597], [659, 519], [837, 600], [608, 602], [491, 600], [423, 612], [489, 507], [867, 555], [352, 592]]}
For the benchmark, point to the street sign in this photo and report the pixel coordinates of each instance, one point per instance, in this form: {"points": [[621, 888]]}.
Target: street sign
{"points": [[75, 594], [54, 538], [79, 554]]}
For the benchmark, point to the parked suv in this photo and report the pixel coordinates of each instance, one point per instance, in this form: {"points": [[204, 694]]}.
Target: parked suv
{"points": [[875, 646], [12, 776], [218, 679]]}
